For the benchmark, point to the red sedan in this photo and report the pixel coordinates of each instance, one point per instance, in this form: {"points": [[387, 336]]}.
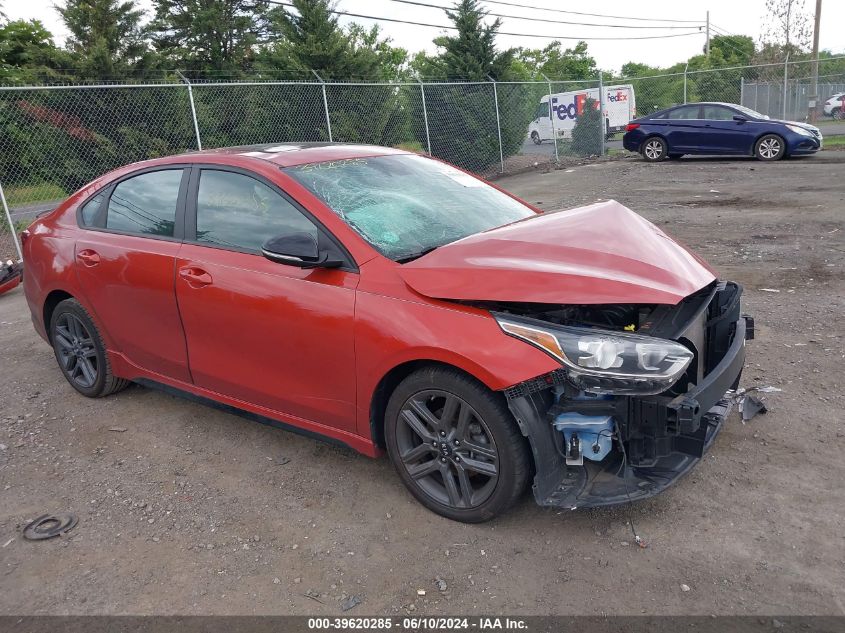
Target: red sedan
{"points": [[385, 300]]}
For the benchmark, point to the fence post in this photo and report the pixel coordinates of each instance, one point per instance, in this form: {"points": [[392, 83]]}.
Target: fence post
{"points": [[425, 115], [785, 77], [498, 123], [601, 112], [552, 115], [193, 109], [325, 105], [11, 224], [685, 82], [741, 90]]}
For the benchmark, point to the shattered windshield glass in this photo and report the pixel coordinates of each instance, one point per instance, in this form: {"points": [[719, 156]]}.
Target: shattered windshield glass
{"points": [[406, 205]]}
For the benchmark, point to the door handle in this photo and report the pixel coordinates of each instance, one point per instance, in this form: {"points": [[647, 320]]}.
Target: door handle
{"points": [[196, 277], [88, 257]]}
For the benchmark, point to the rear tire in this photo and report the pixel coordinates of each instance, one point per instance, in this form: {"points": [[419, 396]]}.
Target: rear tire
{"points": [[80, 352], [654, 149], [770, 147], [455, 445], [837, 114]]}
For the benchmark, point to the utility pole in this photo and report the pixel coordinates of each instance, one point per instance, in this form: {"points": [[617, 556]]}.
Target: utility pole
{"points": [[814, 93], [707, 46]]}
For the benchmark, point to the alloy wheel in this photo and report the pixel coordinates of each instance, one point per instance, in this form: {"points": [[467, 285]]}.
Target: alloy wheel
{"points": [[76, 350], [447, 449], [653, 149], [769, 148]]}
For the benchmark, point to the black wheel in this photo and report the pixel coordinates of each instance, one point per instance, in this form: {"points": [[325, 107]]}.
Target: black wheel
{"points": [[675, 156], [654, 149], [536, 138], [837, 114], [80, 351], [455, 445], [770, 147]]}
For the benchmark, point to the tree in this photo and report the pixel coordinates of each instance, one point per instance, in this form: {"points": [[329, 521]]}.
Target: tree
{"points": [[734, 50], [212, 37], [312, 39], [106, 38], [471, 55], [787, 25], [28, 54], [557, 63], [586, 135]]}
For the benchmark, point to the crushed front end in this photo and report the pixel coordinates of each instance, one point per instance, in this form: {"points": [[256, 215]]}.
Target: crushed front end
{"points": [[640, 395]]}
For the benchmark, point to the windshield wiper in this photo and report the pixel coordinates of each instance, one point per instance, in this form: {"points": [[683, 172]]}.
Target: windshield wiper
{"points": [[409, 258]]}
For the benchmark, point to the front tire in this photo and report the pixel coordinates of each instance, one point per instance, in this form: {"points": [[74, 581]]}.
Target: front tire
{"points": [[654, 149], [536, 138], [80, 352], [455, 445], [837, 114], [770, 147]]}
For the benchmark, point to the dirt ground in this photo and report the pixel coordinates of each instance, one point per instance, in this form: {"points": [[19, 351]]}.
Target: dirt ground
{"points": [[187, 510]]}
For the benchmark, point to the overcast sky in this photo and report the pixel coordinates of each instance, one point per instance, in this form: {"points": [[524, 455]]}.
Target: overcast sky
{"points": [[733, 16]]}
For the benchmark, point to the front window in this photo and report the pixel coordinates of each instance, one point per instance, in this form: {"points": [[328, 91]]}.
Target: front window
{"points": [[406, 205], [749, 112]]}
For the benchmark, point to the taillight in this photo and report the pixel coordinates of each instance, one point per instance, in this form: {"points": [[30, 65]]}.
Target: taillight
{"points": [[631, 126]]}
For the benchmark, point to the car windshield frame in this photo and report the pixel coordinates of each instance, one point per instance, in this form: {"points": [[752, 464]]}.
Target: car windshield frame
{"points": [[406, 205], [749, 112]]}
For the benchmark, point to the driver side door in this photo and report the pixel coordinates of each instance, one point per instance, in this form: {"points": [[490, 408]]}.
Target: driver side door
{"points": [[269, 334]]}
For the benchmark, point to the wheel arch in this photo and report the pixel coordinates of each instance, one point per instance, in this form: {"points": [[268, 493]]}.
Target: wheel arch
{"points": [[54, 298], [762, 134], [388, 383], [650, 136]]}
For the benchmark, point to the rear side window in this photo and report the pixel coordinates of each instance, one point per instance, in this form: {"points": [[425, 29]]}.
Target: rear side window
{"points": [[146, 203], [240, 212], [687, 112]]}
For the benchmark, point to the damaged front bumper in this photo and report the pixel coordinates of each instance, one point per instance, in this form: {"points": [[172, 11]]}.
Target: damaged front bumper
{"points": [[663, 436]]}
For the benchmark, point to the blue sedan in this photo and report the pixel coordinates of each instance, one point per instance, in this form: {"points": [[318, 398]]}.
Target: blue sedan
{"points": [[718, 128]]}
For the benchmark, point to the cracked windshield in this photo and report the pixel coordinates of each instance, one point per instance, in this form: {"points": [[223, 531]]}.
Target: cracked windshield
{"points": [[406, 205]]}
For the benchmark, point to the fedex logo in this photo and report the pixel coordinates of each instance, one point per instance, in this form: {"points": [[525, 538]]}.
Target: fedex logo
{"points": [[619, 96], [570, 110]]}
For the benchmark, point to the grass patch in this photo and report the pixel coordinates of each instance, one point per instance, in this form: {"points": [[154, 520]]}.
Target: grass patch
{"points": [[19, 195], [834, 142]]}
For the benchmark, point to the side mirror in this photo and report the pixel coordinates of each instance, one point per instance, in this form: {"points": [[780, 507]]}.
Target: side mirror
{"points": [[297, 249], [739, 118]]}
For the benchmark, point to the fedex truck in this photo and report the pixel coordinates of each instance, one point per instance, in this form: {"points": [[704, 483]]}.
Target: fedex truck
{"points": [[558, 119]]}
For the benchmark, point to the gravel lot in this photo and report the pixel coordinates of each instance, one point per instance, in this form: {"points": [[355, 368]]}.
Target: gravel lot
{"points": [[187, 510]]}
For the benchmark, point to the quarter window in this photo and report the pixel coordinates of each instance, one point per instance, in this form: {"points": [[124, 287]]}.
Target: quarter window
{"points": [[145, 204], [89, 211], [238, 211]]}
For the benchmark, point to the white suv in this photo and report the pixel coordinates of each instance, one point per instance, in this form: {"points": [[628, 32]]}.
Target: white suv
{"points": [[835, 106]]}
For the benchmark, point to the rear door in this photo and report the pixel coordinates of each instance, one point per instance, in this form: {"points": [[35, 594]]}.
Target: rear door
{"points": [[682, 129], [722, 134], [125, 262], [268, 334]]}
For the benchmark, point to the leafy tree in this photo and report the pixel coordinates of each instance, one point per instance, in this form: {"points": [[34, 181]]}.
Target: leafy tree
{"points": [[555, 62], [471, 54], [209, 36], [28, 54], [106, 37], [734, 50]]}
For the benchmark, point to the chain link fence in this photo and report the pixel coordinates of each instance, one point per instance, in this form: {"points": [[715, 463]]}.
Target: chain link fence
{"points": [[55, 139]]}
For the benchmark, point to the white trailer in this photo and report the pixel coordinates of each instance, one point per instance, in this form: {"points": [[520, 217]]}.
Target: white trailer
{"points": [[559, 119]]}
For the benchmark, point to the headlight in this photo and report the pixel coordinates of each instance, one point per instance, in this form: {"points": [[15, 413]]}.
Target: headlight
{"points": [[800, 130], [602, 361]]}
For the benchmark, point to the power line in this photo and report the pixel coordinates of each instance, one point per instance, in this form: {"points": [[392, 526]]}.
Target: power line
{"points": [[453, 28], [592, 15], [530, 19]]}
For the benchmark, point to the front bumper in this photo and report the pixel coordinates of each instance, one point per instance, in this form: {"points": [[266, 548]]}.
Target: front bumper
{"points": [[666, 436]]}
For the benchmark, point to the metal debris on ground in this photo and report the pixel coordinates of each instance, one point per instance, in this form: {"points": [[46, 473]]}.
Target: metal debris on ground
{"points": [[769, 290], [50, 525], [748, 405], [350, 603]]}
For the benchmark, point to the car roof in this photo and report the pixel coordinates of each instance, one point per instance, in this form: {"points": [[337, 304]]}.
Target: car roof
{"points": [[289, 154]]}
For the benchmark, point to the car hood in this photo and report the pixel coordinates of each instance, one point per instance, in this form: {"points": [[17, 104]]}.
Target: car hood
{"points": [[598, 254], [806, 126]]}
